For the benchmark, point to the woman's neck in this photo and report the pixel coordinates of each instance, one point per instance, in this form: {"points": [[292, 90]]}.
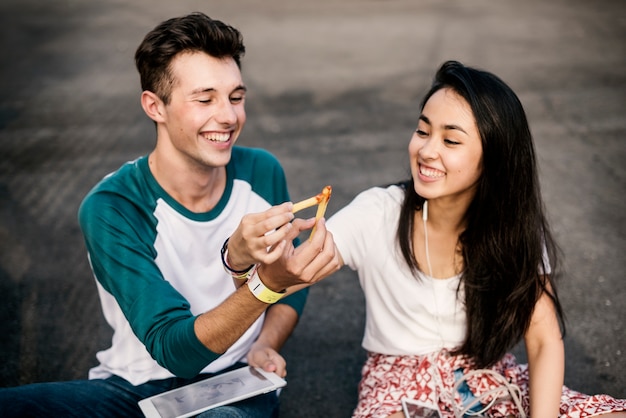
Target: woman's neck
{"points": [[446, 217], [436, 241]]}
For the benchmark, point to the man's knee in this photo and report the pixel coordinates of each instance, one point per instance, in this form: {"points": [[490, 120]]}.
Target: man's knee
{"points": [[224, 412], [78, 398], [262, 406]]}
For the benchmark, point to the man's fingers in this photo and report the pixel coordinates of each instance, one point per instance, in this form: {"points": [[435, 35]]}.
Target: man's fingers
{"points": [[328, 268], [275, 252], [275, 219], [259, 224], [317, 239], [268, 359], [257, 232], [317, 258], [300, 225]]}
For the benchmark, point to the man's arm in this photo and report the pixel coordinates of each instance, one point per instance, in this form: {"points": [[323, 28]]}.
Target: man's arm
{"points": [[280, 321], [119, 242], [220, 327]]}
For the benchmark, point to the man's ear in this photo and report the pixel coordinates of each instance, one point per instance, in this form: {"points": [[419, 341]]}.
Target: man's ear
{"points": [[153, 106]]}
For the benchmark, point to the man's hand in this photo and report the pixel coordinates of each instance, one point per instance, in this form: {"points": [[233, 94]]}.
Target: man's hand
{"points": [[267, 358], [256, 233], [310, 262]]}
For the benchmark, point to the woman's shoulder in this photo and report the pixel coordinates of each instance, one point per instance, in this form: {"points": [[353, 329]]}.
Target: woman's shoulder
{"points": [[384, 196], [373, 206]]}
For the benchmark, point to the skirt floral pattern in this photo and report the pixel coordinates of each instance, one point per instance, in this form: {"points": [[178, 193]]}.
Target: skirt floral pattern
{"points": [[431, 379]]}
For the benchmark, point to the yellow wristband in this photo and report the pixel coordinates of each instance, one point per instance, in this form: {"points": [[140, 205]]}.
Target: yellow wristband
{"points": [[261, 292]]}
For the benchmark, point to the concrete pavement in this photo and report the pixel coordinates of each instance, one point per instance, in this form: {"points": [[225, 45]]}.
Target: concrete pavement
{"points": [[334, 88]]}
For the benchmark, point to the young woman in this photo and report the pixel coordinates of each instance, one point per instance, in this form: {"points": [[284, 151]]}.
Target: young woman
{"points": [[458, 264]]}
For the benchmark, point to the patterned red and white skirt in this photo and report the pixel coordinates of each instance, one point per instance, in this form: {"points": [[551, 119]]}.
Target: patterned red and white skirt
{"points": [[433, 379]]}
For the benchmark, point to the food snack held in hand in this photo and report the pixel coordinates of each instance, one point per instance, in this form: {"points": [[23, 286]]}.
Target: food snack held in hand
{"points": [[321, 200]]}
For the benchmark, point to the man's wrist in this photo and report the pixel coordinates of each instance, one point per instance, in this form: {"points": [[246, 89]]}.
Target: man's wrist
{"points": [[235, 273], [260, 291]]}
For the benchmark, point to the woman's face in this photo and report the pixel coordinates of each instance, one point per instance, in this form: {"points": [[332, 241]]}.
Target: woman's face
{"points": [[446, 149]]}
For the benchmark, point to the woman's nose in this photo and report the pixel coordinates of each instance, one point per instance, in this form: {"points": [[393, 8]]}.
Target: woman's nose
{"points": [[428, 150]]}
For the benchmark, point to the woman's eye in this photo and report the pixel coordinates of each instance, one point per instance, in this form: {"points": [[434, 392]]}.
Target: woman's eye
{"points": [[421, 133], [451, 142]]}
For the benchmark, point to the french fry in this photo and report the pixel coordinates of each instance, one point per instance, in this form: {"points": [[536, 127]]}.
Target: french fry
{"points": [[307, 203], [321, 207], [321, 200]]}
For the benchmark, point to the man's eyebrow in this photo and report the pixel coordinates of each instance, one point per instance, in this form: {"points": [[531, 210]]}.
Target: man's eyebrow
{"points": [[240, 87], [202, 90]]}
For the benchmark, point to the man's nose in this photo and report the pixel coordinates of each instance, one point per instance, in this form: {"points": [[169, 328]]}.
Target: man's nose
{"points": [[226, 113]]}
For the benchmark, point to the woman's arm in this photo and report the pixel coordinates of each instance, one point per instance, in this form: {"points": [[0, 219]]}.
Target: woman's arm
{"points": [[546, 359]]}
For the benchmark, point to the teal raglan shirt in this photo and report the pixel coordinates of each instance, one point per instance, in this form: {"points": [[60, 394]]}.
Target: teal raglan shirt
{"points": [[157, 265]]}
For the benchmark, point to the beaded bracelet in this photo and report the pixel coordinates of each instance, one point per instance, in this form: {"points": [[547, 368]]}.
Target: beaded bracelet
{"points": [[236, 274]]}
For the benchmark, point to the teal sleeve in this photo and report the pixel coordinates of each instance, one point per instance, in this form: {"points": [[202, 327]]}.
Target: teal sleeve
{"points": [[119, 238], [296, 300]]}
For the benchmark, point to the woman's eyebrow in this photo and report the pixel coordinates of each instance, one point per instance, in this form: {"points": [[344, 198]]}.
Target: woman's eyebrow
{"points": [[455, 127], [446, 127]]}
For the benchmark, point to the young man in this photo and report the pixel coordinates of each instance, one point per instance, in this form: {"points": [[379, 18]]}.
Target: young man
{"points": [[173, 237]]}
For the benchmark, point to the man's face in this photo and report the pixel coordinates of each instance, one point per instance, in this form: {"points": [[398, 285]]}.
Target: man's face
{"points": [[206, 111]]}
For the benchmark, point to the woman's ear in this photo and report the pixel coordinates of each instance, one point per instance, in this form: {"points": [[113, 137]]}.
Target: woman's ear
{"points": [[153, 106]]}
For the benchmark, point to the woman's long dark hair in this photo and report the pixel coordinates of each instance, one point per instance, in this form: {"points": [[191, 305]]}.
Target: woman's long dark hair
{"points": [[506, 227]]}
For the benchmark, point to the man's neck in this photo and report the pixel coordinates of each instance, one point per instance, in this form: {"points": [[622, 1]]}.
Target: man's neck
{"points": [[197, 188]]}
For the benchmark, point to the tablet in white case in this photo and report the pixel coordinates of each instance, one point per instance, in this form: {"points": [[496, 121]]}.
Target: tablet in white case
{"points": [[416, 409], [215, 391]]}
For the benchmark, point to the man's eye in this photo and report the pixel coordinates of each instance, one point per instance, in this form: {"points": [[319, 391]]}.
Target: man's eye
{"points": [[421, 133], [204, 100], [236, 99]]}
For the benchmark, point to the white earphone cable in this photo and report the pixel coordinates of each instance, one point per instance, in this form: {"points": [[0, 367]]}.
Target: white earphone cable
{"points": [[424, 219]]}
